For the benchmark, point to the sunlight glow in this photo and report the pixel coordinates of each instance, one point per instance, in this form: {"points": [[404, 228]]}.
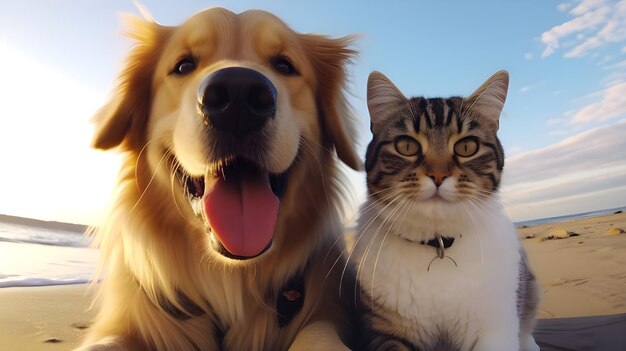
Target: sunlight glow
{"points": [[49, 171]]}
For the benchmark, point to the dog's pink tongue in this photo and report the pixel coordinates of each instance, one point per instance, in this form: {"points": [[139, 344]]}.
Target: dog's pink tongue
{"points": [[242, 213]]}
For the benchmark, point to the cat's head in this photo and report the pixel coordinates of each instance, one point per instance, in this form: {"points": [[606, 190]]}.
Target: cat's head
{"points": [[432, 149]]}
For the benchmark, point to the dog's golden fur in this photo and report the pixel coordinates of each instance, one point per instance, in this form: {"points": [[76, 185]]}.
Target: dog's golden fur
{"points": [[152, 244]]}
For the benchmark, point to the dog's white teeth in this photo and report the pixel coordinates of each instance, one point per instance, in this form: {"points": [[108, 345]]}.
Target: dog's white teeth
{"points": [[197, 206], [197, 188]]}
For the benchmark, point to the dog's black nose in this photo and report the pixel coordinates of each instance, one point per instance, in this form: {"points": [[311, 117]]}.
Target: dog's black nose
{"points": [[237, 100]]}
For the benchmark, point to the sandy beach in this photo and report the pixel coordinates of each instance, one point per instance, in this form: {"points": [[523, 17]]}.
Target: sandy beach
{"points": [[581, 274], [43, 318]]}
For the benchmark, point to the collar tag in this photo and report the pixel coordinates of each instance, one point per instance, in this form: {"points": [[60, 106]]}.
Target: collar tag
{"points": [[440, 248], [441, 244], [290, 300]]}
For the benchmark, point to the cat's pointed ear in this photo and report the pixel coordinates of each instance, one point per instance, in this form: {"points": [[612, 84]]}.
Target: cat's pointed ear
{"points": [[382, 95], [488, 100]]}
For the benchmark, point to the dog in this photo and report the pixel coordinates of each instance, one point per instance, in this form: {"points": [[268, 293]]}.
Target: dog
{"points": [[224, 230]]}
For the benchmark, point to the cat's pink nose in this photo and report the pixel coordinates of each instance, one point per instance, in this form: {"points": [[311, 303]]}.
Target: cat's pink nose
{"points": [[438, 177]]}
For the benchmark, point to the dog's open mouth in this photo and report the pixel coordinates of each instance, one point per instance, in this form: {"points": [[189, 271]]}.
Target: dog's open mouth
{"points": [[240, 203]]}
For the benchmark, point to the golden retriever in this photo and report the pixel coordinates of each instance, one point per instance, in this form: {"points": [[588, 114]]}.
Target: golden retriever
{"points": [[225, 225]]}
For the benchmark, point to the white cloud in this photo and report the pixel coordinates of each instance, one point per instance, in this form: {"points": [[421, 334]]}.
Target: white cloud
{"points": [[583, 48], [528, 56], [618, 65], [558, 132], [564, 6], [543, 182], [615, 77], [612, 104], [592, 149], [555, 121], [553, 36], [514, 150], [605, 60], [595, 23], [585, 6], [530, 87]]}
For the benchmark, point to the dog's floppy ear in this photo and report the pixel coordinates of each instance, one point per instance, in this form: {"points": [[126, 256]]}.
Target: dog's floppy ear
{"points": [[121, 122], [329, 58]]}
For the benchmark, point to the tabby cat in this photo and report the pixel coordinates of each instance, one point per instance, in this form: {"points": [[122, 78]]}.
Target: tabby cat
{"points": [[438, 261]]}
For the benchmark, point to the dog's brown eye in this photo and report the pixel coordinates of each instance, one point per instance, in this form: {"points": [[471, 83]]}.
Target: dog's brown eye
{"points": [[407, 146], [184, 65], [282, 64]]}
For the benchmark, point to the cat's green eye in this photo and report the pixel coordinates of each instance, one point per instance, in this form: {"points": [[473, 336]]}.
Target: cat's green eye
{"points": [[466, 147], [407, 146]]}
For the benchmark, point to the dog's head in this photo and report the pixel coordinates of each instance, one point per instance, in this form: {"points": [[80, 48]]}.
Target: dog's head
{"points": [[222, 111]]}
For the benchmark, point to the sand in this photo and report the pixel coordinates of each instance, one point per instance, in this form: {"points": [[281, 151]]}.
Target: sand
{"points": [[43, 318], [581, 274], [584, 273]]}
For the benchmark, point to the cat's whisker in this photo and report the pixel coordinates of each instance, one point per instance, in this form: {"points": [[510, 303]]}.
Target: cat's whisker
{"points": [[345, 267], [385, 190], [386, 220], [470, 214], [479, 199], [359, 233], [483, 214], [406, 206], [504, 194], [371, 205]]}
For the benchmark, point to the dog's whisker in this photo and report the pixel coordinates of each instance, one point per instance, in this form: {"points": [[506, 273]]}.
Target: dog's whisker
{"points": [[174, 168], [139, 158], [156, 170], [308, 150], [330, 152]]}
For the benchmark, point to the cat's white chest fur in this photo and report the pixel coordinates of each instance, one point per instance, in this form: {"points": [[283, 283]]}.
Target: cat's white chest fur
{"points": [[469, 295]]}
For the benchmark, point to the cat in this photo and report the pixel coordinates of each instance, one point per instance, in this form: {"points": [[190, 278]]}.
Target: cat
{"points": [[438, 262]]}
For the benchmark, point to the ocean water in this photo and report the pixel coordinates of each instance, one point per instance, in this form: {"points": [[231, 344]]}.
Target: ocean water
{"points": [[33, 256], [590, 214]]}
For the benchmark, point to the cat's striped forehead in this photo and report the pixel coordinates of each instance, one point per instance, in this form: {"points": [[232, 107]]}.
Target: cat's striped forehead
{"points": [[435, 113], [436, 119]]}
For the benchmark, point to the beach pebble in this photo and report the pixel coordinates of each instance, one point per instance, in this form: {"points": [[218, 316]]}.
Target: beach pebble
{"points": [[559, 234], [80, 325], [614, 231]]}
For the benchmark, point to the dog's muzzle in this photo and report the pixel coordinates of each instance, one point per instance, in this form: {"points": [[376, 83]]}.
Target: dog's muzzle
{"points": [[238, 197], [237, 100]]}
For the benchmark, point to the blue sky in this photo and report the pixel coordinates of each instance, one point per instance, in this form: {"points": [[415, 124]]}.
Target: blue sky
{"points": [[563, 125]]}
